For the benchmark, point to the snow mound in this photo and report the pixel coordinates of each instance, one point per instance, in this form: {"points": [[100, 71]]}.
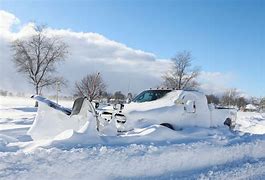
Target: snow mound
{"points": [[251, 122], [5, 141], [185, 160]]}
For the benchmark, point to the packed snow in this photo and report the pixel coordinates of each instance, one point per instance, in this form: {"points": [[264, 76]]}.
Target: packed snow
{"points": [[152, 152]]}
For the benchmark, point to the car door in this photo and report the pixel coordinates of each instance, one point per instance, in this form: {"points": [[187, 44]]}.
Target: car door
{"points": [[190, 106]]}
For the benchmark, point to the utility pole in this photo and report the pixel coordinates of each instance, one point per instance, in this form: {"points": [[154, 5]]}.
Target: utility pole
{"points": [[58, 89], [230, 93]]}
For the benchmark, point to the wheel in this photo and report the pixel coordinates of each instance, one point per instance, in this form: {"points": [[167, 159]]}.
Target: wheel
{"points": [[167, 125], [228, 122]]}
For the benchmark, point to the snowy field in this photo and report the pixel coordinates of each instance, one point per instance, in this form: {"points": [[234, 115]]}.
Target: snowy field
{"points": [[193, 153]]}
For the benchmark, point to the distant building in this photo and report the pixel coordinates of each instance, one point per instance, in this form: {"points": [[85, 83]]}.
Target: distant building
{"points": [[251, 108]]}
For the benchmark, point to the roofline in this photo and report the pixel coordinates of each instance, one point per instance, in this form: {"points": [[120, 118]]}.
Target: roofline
{"points": [[172, 89]]}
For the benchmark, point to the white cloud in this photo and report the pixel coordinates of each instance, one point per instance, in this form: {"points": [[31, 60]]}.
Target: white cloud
{"points": [[215, 82], [119, 64], [122, 67], [7, 20]]}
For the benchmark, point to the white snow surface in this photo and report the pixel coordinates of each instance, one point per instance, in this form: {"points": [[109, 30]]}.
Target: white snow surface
{"points": [[153, 152]]}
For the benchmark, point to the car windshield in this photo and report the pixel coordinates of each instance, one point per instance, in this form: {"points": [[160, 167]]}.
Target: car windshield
{"points": [[150, 95]]}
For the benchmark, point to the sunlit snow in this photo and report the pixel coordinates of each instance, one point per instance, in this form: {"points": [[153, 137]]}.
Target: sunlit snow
{"points": [[146, 153]]}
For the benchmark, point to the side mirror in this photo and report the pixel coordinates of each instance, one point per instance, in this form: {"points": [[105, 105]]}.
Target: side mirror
{"points": [[96, 105], [128, 100], [190, 106]]}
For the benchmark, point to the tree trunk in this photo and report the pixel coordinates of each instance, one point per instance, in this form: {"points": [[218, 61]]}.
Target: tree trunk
{"points": [[36, 104], [37, 93]]}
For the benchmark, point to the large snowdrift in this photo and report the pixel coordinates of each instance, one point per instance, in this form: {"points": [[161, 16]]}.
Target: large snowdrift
{"points": [[251, 122], [220, 158]]}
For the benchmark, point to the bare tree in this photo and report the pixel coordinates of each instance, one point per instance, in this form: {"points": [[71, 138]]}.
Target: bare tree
{"points": [[119, 97], [262, 104], [232, 97], [241, 102], [229, 97], [182, 75], [37, 56], [91, 86], [213, 99], [254, 100]]}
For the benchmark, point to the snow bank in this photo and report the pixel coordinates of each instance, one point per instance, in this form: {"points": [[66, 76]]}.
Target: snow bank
{"points": [[251, 122], [13, 101], [8, 101], [53, 124], [134, 161], [4, 141]]}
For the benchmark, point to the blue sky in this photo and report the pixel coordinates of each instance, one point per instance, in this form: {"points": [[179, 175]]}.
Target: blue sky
{"points": [[223, 36]]}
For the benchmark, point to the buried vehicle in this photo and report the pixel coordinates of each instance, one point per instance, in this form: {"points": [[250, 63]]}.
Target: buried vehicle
{"points": [[174, 109]]}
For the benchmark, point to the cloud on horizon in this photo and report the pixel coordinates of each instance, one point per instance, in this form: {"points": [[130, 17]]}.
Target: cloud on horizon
{"points": [[122, 67]]}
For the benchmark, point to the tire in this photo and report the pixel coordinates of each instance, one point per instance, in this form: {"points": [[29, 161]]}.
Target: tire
{"points": [[228, 122], [167, 125]]}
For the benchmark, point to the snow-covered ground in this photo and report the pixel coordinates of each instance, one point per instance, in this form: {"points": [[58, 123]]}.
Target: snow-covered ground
{"points": [[251, 122], [193, 153]]}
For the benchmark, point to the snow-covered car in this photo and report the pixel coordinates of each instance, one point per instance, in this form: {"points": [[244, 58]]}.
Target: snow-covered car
{"points": [[174, 109]]}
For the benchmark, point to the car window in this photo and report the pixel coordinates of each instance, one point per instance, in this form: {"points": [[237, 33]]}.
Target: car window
{"points": [[150, 95], [144, 96]]}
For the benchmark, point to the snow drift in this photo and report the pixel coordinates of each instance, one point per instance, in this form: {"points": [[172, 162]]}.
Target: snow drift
{"points": [[82, 125]]}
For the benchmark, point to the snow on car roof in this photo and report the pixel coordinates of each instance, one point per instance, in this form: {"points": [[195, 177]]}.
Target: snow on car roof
{"points": [[167, 100]]}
